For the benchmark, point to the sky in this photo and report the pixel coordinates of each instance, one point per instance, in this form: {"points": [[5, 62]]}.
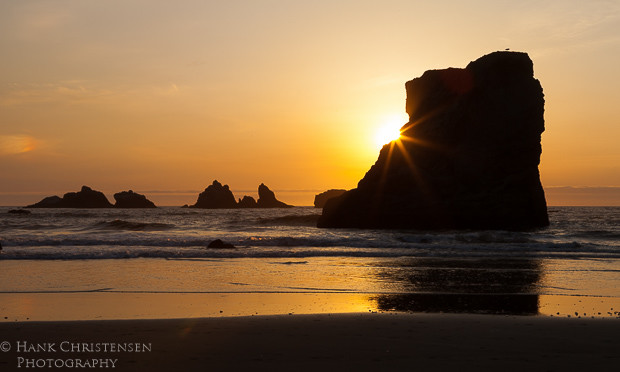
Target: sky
{"points": [[164, 97]]}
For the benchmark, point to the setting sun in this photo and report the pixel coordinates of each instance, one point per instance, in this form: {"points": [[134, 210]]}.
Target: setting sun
{"points": [[389, 130]]}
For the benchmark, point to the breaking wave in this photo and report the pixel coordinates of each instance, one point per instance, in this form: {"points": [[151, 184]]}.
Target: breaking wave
{"points": [[183, 233], [291, 220], [135, 226]]}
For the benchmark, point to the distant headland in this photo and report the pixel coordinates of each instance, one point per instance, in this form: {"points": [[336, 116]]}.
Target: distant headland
{"points": [[467, 158]]}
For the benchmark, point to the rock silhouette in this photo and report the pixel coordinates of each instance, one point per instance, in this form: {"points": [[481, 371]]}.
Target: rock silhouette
{"points": [[267, 198], [467, 158], [49, 202], [130, 199], [216, 196], [85, 198], [247, 202], [321, 199]]}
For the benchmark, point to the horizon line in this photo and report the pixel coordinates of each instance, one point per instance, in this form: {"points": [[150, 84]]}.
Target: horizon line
{"points": [[182, 192]]}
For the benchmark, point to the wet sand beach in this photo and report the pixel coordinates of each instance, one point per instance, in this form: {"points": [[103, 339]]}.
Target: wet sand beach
{"points": [[371, 341]]}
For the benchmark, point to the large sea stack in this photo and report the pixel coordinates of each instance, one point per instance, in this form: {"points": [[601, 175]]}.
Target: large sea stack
{"points": [[467, 159]]}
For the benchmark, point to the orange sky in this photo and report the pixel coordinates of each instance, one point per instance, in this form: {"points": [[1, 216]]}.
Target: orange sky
{"points": [[168, 96]]}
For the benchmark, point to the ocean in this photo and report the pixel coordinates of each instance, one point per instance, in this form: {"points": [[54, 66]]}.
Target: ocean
{"points": [[575, 260]]}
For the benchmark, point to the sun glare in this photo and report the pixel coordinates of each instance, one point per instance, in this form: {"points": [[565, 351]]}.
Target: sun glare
{"points": [[389, 130]]}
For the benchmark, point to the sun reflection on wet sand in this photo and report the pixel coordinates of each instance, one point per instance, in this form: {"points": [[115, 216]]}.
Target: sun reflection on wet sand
{"points": [[93, 306], [113, 289]]}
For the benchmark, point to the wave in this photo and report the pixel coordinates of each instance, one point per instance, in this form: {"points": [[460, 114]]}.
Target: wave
{"points": [[494, 237], [291, 220], [300, 253], [32, 226], [185, 233], [597, 234], [134, 226], [78, 214], [344, 238], [290, 246]]}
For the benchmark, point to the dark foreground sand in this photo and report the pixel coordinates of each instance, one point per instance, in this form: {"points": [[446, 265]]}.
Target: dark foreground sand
{"points": [[379, 342]]}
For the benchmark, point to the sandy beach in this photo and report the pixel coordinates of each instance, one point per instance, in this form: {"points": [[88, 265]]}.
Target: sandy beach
{"points": [[372, 341]]}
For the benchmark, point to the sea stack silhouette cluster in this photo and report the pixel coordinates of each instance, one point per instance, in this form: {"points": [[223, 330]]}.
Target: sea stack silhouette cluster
{"points": [[219, 196], [89, 198], [213, 197], [467, 159]]}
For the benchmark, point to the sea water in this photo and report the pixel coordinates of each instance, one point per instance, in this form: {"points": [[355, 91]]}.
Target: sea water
{"points": [[282, 252]]}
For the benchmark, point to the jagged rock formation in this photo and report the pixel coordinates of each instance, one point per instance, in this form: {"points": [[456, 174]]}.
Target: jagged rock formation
{"points": [[267, 198], [130, 199], [467, 158], [247, 202], [216, 196], [85, 198], [321, 199]]}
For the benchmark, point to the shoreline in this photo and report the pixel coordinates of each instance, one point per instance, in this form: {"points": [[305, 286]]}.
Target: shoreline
{"points": [[362, 341], [111, 305]]}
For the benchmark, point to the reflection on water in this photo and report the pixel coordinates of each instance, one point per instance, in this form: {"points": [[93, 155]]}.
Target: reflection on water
{"points": [[157, 288], [115, 305], [460, 303], [491, 286]]}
